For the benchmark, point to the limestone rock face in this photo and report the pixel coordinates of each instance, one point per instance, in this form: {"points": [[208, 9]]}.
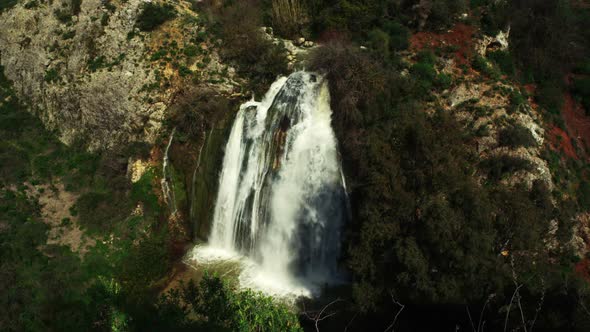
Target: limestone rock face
{"points": [[493, 43], [82, 77], [484, 107]]}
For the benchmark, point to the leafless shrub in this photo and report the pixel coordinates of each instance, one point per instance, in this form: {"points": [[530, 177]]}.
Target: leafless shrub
{"points": [[354, 77], [288, 16]]}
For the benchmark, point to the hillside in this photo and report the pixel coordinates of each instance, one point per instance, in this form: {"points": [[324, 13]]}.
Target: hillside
{"points": [[463, 147]]}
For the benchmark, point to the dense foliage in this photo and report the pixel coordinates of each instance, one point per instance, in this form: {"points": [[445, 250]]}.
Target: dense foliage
{"points": [[434, 225], [115, 284], [424, 230]]}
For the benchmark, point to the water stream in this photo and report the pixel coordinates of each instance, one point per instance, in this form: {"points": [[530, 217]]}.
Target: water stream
{"points": [[281, 199]]}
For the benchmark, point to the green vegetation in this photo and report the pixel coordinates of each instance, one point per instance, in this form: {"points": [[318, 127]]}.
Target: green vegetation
{"points": [[153, 15], [499, 166], [7, 4], [225, 309], [581, 89], [482, 65], [51, 75], [516, 136], [115, 285], [424, 230], [68, 9], [255, 57]]}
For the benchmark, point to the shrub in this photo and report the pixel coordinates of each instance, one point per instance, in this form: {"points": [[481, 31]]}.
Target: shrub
{"points": [[482, 65], [7, 4], [398, 35], [227, 308], [196, 110], [550, 95], [378, 40], [498, 166], [516, 100], [516, 136], [443, 12], [99, 211], [581, 88], [51, 75], [504, 60], [583, 194], [95, 64], [104, 20], [191, 50], [64, 15], [153, 15], [288, 17], [255, 56], [69, 35], [444, 81], [355, 79], [76, 7]]}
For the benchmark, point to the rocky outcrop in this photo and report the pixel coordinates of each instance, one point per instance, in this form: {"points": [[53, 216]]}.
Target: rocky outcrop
{"points": [[93, 77], [493, 43], [485, 108]]}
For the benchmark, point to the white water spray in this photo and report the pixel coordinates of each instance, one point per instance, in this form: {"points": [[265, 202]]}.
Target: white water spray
{"points": [[281, 199]]}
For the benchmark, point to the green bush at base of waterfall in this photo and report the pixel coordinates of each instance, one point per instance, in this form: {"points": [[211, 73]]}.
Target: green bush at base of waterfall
{"points": [[221, 307]]}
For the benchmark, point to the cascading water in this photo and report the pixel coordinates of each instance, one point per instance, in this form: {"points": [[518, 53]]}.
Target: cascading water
{"points": [[281, 199]]}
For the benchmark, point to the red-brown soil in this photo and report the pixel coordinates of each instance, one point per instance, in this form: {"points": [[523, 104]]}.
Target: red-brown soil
{"points": [[559, 140], [582, 268], [577, 122], [460, 36]]}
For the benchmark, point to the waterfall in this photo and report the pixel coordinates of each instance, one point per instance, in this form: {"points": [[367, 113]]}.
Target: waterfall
{"points": [[281, 199]]}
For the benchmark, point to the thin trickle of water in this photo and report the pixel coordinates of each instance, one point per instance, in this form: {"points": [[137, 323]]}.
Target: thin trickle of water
{"points": [[194, 180], [167, 183], [281, 199]]}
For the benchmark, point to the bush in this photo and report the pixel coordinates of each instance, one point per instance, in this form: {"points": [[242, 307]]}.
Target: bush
{"points": [[153, 15], [516, 100], [504, 60], [7, 4], [255, 56], [378, 40], [51, 75], [195, 111], [99, 211], [190, 50], [355, 80], [227, 308], [516, 136], [482, 65], [550, 95], [444, 11], [76, 7], [581, 88], [288, 17], [398, 35], [498, 166]]}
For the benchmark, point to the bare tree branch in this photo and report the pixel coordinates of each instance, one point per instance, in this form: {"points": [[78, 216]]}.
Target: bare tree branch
{"points": [[470, 319], [319, 316], [396, 315], [347, 325], [540, 305]]}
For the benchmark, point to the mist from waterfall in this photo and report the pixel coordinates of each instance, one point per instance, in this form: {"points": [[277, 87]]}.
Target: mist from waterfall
{"points": [[281, 199]]}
